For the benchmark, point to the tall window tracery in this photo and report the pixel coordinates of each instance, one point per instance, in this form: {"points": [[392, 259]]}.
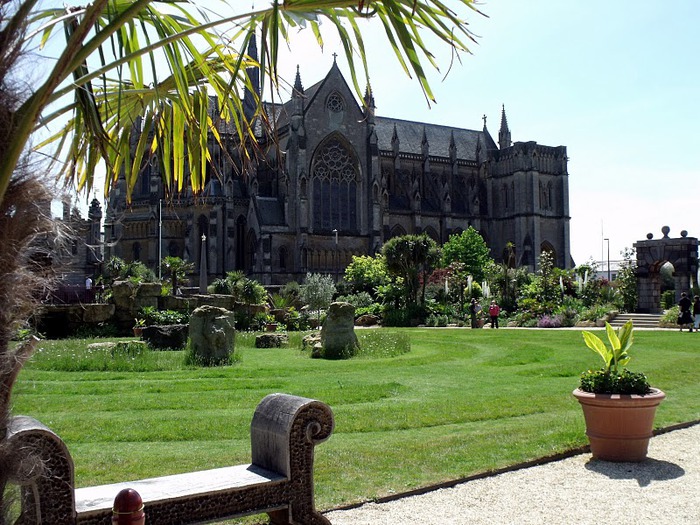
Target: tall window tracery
{"points": [[334, 186]]}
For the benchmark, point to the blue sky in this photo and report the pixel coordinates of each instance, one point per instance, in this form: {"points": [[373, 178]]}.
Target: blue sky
{"points": [[616, 82]]}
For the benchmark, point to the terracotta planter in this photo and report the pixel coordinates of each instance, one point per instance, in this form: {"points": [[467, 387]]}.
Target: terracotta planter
{"points": [[619, 426], [138, 331]]}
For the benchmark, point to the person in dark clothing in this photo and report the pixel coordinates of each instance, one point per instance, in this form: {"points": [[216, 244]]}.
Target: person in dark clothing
{"points": [[696, 312], [473, 312], [685, 317]]}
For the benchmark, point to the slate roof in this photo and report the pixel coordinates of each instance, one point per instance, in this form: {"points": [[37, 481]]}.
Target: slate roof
{"points": [[270, 210], [410, 135]]}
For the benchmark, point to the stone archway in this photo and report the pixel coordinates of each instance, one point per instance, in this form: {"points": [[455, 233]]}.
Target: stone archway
{"points": [[652, 254]]}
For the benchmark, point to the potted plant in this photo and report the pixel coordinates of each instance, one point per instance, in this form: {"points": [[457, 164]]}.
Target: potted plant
{"points": [[138, 326], [618, 405]]}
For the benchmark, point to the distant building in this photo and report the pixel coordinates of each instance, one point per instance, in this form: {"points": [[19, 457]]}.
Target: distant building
{"points": [[608, 269], [341, 182]]}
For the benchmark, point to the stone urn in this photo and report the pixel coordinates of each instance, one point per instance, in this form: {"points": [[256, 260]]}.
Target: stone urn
{"points": [[619, 426]]}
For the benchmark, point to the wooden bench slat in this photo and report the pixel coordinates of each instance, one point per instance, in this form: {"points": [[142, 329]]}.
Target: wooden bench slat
{"points": [[99, 498]]}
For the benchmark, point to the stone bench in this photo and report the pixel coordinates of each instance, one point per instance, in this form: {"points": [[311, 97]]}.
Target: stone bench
{"points": [[279, 480]]}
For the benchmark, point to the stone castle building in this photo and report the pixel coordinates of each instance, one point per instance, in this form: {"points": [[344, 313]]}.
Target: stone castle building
{"points": [[340, 181]]}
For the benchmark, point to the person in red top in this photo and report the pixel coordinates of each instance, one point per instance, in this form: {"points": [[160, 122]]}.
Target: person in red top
{"points": [[494, 310]]}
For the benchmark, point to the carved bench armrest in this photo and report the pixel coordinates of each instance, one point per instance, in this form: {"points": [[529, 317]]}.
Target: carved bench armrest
{"points": [[44, 471], [284, 431]]}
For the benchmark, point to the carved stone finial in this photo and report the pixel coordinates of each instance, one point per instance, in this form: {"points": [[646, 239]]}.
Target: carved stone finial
{"points": [[665, 231], [650, 236], [684, 233]]}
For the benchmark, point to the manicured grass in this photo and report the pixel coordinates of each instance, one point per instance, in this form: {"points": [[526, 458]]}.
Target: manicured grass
{"points": [[461, 401]]}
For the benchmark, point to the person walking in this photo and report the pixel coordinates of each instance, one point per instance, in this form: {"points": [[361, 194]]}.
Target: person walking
{"points": [[472, 312], [685, 318], [494, 310], [696, 312]]}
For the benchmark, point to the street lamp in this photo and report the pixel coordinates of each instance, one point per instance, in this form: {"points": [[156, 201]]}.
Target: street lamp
{"points": [[203, 266], [335, 232], [608, 241]]}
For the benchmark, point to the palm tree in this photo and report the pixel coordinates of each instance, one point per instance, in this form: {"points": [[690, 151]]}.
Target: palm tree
{"points": [[107, 75], [156, 63], [178, 269]]}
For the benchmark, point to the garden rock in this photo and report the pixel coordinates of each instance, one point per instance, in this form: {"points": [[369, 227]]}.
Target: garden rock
{"points": [[212, 335], [309, 341], [338, 332], [271, 340], [166, 336], [367, 320]]}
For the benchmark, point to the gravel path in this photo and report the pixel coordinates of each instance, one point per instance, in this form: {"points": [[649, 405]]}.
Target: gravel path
{"points": [[663, 490]]}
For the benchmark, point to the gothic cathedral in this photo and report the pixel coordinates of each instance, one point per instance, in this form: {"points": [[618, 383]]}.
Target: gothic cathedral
{"points": [[340, 181]]}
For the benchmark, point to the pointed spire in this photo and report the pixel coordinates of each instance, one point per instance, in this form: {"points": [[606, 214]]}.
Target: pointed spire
{"points": [[453, 147], [504, 132], [298, 87], [425, 147], [369, 108], [252, 93], [395, 141], [490, 144], [369, 96]]}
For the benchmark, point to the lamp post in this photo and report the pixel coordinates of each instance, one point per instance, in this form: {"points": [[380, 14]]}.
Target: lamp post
{"points": [[335, 232], [608, 241], [203, 266], [160, 239]]}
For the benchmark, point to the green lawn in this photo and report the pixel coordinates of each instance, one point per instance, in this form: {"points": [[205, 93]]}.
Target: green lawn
{"points": [[460, 402]]}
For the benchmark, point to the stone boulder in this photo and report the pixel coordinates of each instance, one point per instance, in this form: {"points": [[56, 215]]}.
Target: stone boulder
{"points": [[368, 320], [123, 348], [309, 341], [168, 336], [338, 332], [212, 335], [271, 340]]}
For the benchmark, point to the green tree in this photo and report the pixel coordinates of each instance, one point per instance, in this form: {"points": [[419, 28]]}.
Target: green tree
{"points": [[366, 273], [120, 270], [627, 279], [470, 249], [177, 268], [317, 292], [410, 257]]}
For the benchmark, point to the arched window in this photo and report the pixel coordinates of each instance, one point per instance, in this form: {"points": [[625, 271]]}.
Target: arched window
{"points": [[396, 231], [241, 226], [430, 232], [283, 258], [174, 249], [546, 246], [146, 180], [136, 251], [334, 185]]}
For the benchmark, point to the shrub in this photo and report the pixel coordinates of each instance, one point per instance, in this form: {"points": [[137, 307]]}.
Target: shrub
{"points": [[670, 316], [152, 316], [547, 321], [358, 300], [373, 309], [668, 299], [624, 382]]}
